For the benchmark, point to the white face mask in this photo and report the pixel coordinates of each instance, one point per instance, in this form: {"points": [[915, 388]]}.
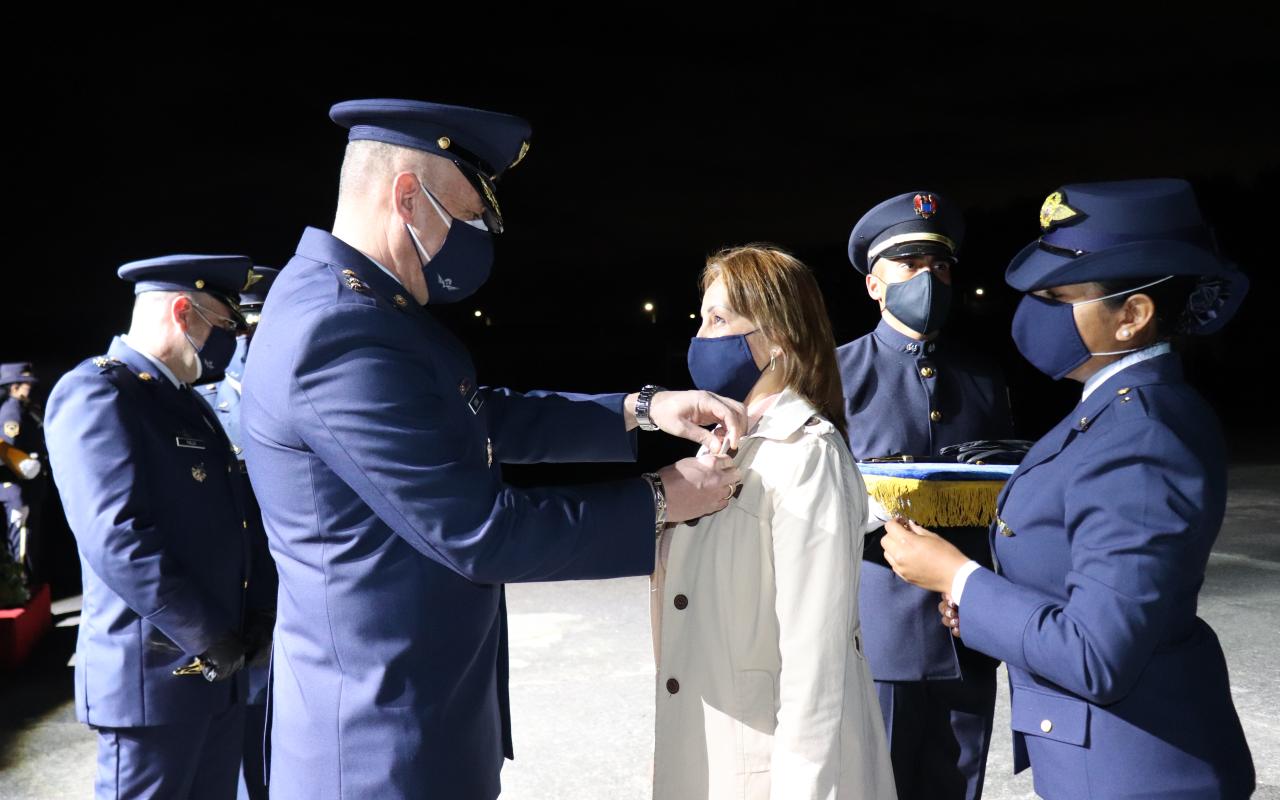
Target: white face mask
{"points": [[1120, 294]]}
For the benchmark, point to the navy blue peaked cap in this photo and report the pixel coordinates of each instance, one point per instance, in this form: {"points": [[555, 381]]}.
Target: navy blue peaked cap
{"points": [[910, 224], [224, 277], [482, 144], [1130, 230]]}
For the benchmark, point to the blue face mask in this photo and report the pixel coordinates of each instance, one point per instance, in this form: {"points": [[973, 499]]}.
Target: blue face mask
{"points": [[462, 264], [724, 365], [215, 354], [1045, 333], [921, 303]]}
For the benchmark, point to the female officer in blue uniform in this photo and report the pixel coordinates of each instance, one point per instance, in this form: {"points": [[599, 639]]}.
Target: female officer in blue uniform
{"points": [[1117, 688]]}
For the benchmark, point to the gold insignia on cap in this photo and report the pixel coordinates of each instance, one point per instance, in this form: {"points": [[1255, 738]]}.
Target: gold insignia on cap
{"points": [[493, 199], [11, 429], [524, 151], [199, 283], [145, 376], [400, 301], [444, 142], [1055, 209], [251, 279], [198, 473]]}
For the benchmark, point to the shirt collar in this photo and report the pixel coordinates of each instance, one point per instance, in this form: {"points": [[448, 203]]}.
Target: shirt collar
{"points": [[1100, 377], [789, 413], [157, 363]]}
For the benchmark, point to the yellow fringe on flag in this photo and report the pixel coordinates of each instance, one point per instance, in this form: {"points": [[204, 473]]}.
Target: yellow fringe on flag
{"points": [[943, 504]]}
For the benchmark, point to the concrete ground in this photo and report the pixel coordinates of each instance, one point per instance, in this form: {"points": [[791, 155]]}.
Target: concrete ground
{"points": [[582, 679]]}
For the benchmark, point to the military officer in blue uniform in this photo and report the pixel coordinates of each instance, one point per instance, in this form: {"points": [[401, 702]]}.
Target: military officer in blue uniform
{"points": [[376, 455], [22, 497], [223, 397], [153, 494], [1118, 689], [908, 391]]}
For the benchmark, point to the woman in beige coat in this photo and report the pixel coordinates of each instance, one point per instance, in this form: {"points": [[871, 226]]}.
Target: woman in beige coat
{"points": [[762, 688]]}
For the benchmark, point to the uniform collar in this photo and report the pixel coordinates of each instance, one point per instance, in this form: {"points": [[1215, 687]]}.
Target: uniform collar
{"points": [[788, 414], [1103, 375], [141, 360], [896, 340], [1160, 368], [326, 248]]}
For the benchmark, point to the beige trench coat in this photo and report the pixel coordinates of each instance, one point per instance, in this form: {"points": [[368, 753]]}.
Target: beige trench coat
{"points": [[762, 688]]}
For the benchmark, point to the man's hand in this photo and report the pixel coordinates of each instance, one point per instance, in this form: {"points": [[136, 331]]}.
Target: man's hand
{"points": [[224, 659], [699, 486], [920, 556], [684, 414]]}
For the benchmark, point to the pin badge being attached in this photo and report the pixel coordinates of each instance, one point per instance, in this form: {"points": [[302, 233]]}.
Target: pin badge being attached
{"points": [[198, 473]]}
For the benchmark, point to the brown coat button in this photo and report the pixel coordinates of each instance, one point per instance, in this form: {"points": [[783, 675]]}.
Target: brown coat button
{"points": [[681, 602], [673, 685]]}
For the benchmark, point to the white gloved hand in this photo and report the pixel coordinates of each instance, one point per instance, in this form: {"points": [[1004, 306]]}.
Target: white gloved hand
{"points": [[29, 467]]}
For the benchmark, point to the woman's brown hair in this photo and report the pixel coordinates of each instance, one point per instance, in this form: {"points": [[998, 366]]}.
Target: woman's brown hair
{"points": [[777, 292]]}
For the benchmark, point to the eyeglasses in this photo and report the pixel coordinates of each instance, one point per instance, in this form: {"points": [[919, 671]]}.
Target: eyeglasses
{"points": [[226, 323]]}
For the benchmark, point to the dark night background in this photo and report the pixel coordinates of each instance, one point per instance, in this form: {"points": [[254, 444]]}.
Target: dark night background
{"points": [[657, 139]]}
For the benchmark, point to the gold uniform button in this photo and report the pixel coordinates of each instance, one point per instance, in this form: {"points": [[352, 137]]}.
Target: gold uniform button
{"points": [[1122, 392], [400, 301], [444, 142], [927, 372], [936, 416], [246, 584], [199, 283], [1046, 726], [245, 523]]}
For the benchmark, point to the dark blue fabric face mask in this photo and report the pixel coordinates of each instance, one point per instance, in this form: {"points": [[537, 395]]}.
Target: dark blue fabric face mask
{"points": [[724, 366], [1045, 333], [921, 303], [215, 354], [463, 262]]}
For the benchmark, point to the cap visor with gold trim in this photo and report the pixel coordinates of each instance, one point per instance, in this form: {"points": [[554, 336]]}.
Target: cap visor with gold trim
{"points": [[482, 144], [907, 225], [223, 277]]}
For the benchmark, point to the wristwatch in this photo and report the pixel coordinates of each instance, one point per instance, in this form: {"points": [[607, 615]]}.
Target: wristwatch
{"points": [[659, 502], [642, 406]]}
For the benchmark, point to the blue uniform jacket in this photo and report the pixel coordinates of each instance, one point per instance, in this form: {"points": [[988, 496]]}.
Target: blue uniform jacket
{"points": [[1118, 688], [376, 458], [149, 485], [223, 398], [893, 384]]}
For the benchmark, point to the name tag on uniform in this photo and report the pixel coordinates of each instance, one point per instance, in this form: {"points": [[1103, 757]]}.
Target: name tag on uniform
{"points": [[189, 443]]}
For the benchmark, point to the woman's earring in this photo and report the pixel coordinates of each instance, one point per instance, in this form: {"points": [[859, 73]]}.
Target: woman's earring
{"points": [[1124, 333]]}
